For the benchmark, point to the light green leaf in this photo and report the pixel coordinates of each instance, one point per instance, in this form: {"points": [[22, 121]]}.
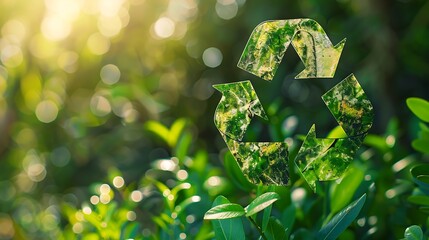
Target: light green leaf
{"points": [[266, 217], [226, 229], [225, 211], [419, 199], [261, 202], [337, 132], [275, 230], [421, 145], [413, 232], [159, 130], [342, 193], [176, 130], [419, 107], [342, 220]]}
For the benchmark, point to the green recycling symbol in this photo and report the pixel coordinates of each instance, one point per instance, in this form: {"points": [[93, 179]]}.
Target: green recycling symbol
{"points": [[318, 159]]}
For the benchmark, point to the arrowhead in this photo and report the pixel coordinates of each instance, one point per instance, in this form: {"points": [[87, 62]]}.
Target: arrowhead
{"points": [[351, 108], [236, 109], [320, 60], [324, 159]]}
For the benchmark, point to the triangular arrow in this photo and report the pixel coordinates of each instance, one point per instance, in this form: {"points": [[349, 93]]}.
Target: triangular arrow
{"points": [[269, 41], [235, 110], [260, 162]]}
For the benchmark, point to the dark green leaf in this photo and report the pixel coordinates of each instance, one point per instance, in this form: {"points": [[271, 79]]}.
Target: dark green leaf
{"points": [[288, 218], [420, 174], [342, 220], [302, 234], [235, 173], [419, 107], [226, 229], [185, 203], [275, 230], [261, 202], [424, 210], [225, 211], [413, 233]]}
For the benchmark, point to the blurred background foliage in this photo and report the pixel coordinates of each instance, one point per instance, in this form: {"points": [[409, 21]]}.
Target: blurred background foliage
{"points": [[106, 113]]}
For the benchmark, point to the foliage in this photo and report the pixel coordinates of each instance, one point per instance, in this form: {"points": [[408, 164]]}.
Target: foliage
{"points": [[106, 115]]}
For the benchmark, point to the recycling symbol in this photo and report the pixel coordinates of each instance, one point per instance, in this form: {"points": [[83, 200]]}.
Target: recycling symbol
{"points": [[318, 159]]}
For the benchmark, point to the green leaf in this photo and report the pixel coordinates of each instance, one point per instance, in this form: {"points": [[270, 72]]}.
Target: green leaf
{"points": [[226, 229], [419, 199], [413, 232], [337, 132], [342, 193], [419, 107], [377, 142], [235, 173], [342, 220], [288, 218], [159, 130], [424, 210], [176, 130], [275, 230], [261, 202], [420, 175], [185, 203], [225, 211], [266, 217], [421, 145], [182, 146]]}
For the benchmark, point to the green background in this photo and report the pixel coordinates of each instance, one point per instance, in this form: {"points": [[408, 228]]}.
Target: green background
{"points": [[65, 127]]}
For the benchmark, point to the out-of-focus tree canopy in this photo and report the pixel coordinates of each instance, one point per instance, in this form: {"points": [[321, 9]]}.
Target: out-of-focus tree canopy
{"points": [[80, 79]]}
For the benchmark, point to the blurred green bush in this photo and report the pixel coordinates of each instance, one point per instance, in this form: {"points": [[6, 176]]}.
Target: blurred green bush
{"points": [[106, 115]]}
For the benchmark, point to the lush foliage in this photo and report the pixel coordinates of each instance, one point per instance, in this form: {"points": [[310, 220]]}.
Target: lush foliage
{"points": [[107, 132]]}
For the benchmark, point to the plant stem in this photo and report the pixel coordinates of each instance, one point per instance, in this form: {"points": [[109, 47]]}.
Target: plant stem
{"points": [[258, 228]]}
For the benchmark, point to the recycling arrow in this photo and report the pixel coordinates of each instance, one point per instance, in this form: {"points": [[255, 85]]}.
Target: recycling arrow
{"points": [[318, 159], [269, 41], [260, 162], [323, 159]]}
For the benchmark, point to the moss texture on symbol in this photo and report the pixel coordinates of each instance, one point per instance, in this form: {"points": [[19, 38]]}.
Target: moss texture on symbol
{"points": [[239, 103], [260, 162], [318, 159], [269, 41], [323, 159]]}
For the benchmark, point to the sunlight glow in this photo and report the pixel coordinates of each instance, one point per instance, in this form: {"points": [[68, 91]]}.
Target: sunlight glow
{"points": [[118, 182], [164, 27], [46, 111], [55, 28], [110, 74], [136, 196], [212, 57], [98, 44]]}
